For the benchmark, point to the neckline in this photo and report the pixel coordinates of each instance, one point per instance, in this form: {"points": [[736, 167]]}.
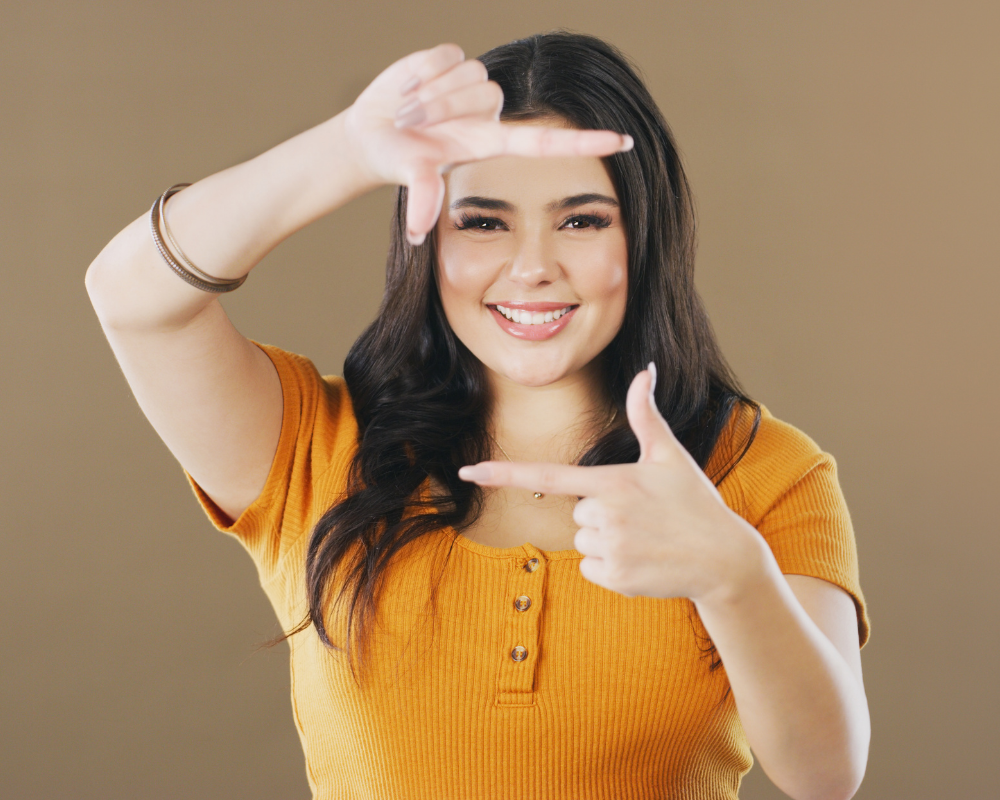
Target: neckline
{"points": [[526, 549]]}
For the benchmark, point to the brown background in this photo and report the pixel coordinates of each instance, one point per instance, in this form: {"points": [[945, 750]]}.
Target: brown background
{"points": [[844, 157]]}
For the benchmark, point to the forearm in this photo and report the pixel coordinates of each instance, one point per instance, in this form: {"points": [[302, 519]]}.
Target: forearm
{"points": [[804, 711], [225, 223]]}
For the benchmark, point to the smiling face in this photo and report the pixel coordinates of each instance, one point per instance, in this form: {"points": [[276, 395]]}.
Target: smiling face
{"points": [[533, 236]]}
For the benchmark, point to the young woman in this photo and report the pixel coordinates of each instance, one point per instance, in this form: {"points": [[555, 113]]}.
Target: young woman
{"points": [[536, 542]]}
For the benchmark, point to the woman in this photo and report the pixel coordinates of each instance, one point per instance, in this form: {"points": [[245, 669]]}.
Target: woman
{"points": [[624, 559]]}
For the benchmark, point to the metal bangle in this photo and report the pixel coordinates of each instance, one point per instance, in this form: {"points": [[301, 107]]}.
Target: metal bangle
{"points": [[190, 273]]}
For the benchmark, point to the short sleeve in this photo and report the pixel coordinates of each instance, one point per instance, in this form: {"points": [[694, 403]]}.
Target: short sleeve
{"points": [[317, 440], [791, 494]]}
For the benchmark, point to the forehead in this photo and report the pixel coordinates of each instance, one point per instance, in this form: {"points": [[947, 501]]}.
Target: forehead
{"points": [[529, 182]]}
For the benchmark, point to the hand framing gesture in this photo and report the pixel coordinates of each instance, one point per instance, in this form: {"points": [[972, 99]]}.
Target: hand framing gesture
{"points": [[658, 527], [433, 110]]}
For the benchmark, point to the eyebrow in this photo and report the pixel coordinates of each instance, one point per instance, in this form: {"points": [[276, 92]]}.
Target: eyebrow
{"points": [[492, 204]]}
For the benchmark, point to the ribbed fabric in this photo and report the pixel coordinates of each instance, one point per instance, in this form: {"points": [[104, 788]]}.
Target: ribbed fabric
{"points": [[613, 698]]}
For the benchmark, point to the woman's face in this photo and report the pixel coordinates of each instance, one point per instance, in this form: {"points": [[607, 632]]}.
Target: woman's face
{"points": [[532, 236]]}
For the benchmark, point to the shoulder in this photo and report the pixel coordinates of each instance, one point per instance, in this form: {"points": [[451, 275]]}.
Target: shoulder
{"points": [[765, 457], [302, 383], [318, 415]]}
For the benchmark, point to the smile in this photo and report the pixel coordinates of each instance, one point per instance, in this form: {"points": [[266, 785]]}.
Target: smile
{"points": [[524, 316], [532, 321]]}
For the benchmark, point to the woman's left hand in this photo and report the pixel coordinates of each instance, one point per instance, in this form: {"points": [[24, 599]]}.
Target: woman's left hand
{"points": [[658, 527]]}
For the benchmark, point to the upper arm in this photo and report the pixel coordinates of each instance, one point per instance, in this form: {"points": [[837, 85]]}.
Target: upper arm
{"points": [[214, 398], [834, 612]]}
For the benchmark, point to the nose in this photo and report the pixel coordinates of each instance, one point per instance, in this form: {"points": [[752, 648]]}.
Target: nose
{"points": [[534, 263]]}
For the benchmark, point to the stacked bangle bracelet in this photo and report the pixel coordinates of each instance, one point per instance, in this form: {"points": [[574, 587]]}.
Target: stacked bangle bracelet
{"points": [[186, 270]]}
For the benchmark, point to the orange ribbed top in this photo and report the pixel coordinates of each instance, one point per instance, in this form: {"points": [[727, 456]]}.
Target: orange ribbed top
{"points": [[613, 697]]}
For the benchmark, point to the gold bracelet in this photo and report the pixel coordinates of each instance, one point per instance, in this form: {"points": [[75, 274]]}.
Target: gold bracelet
{"points": [[190, 273]]}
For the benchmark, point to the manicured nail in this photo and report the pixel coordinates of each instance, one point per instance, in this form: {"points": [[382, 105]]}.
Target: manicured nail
{"points": [[415, 239], [477, 472], [410, 85], [627, 144], [652, 382], [412, 113]]}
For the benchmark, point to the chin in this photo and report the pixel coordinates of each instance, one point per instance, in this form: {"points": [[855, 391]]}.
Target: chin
{"points": [[530, 374]]}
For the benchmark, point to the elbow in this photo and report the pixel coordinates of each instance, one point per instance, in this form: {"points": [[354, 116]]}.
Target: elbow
{"points": [[842, 786], [837, 779], [93, 284], [100, 290]]}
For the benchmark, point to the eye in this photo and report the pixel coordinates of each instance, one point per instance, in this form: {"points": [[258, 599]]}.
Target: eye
{"points": [[584, 221], [478, 222]]}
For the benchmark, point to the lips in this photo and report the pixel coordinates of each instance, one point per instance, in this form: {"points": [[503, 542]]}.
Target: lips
{"points": [[547, 318], [533, 316]]}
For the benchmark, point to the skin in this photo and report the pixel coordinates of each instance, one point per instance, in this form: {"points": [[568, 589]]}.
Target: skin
{"points": [[547, 394], [657, 528], [789, 643]]}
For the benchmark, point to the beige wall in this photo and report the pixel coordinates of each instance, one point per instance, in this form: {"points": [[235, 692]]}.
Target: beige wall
{"points": [[844, 157]]}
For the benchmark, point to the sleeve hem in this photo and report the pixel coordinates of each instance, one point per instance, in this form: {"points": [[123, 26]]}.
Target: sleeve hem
{"points": [[860, 608], [286, 441]]}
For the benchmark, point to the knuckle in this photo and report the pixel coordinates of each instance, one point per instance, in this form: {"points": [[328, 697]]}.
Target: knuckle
{"points": [[545, 141], [584, 512], [576, 142], [614, 517], [547, 479], [440, 108], [620, 484]]}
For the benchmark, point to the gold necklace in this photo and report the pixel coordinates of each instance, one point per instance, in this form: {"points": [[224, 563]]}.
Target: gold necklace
{"points": [[539, 495]]}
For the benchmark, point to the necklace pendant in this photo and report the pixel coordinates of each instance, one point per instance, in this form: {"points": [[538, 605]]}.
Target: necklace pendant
{"points": [[539, 495]]}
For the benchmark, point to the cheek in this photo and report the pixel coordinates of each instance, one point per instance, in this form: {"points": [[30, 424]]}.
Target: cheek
{"points": [[462, 277], [609, 280]]}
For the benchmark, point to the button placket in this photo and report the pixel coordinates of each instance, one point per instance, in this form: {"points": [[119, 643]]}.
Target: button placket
{"points": [[520, 643]]}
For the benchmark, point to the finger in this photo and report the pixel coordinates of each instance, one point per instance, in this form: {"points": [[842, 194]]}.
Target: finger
{"points": [[590, 542], [656, 441], [424, 197], [589, 513], [470, 72], [540, 477], [481, 99], [535, 140], [424, 65]]}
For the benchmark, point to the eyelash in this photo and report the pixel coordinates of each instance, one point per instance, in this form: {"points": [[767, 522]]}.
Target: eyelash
{"points": [[473, 221]]}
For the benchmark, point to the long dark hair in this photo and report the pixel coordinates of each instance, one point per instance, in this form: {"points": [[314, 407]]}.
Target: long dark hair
{"points": [[421, 398]]}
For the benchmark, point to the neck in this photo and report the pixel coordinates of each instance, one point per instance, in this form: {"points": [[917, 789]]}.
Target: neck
{"points": [[552, 423]]}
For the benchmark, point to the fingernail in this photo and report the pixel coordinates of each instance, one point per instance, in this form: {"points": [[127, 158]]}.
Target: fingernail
{"points": [[652, 382], [415, 239], [412, 113], [410, 85], [477, 472], [627, 144]]}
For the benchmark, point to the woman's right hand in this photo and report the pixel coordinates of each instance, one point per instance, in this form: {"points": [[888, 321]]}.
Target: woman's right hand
{"points": [[450, 115]]}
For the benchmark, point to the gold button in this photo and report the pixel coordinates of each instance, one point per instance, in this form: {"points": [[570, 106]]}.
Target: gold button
{"points": [[523, 603], [519, 653], [531, 565]]}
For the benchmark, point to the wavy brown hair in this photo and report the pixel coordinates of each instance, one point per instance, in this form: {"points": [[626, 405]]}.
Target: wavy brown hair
{"points": [[421, 398]]}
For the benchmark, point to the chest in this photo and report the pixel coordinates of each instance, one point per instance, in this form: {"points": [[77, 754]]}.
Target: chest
{"points": [[512, 517]]}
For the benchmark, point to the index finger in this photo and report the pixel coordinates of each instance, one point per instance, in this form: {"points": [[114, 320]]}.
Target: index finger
{"points": [[535, 140], [540, 477]]}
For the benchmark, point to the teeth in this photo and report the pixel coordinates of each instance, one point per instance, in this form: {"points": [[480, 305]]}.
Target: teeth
{"points": [[525, 317]]}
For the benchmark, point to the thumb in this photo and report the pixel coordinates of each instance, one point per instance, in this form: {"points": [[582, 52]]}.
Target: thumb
{"points": [[656, 440], [425, 194]]}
